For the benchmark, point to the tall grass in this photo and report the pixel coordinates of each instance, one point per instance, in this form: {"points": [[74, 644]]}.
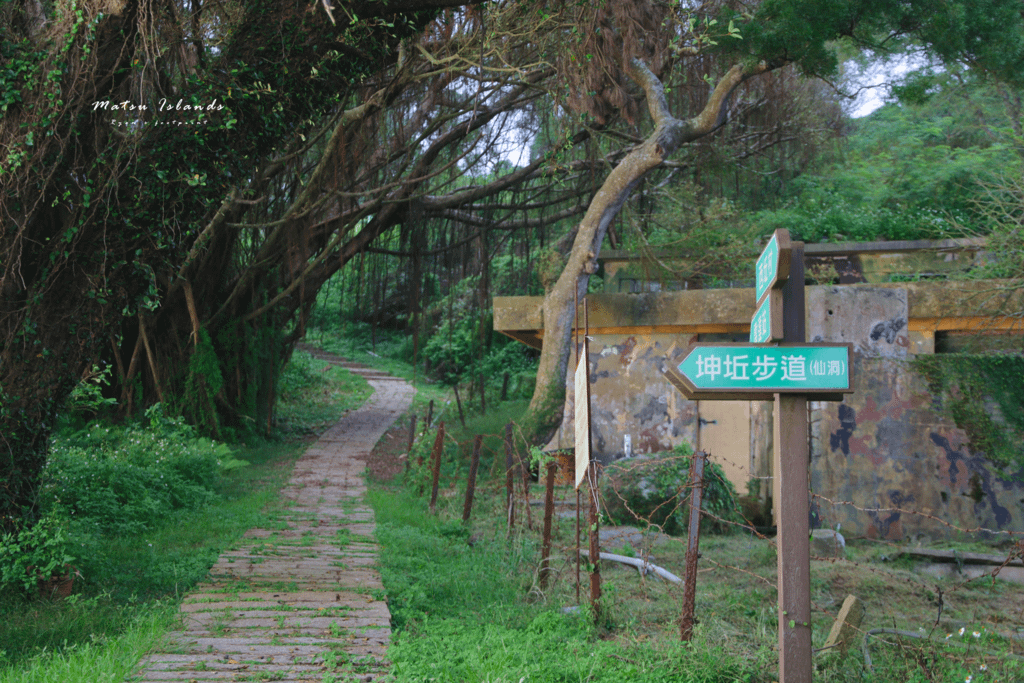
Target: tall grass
{"points": [[101, 658], [467, 612]]}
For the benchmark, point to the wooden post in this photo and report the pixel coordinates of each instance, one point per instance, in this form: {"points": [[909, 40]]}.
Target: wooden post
{"points": [[692, 545], [504, 388], [549, 509], [435, 465], [474, 463], [430, 416], [795, 664]]}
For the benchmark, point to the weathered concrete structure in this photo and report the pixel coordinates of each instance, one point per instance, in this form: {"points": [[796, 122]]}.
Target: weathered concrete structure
{"points": [[884, 462]]}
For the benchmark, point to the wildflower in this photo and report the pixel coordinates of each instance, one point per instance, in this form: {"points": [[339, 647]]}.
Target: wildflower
{"points": [[969, 678], [976, 634], [962, 629], [983, 667]]}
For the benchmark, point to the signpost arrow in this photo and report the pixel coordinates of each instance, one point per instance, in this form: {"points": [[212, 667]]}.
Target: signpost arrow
{"points": [[747, 372], [772, 269], [792, 368]]}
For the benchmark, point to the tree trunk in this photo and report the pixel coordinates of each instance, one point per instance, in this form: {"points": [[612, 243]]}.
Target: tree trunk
{"points": [[545, 411]]}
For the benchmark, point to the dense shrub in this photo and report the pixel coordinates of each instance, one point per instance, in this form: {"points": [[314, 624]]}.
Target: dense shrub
{"points": [[123, 479], [655, 490]]}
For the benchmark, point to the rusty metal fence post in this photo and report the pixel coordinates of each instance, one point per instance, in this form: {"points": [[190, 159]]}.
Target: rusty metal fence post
{"points": [[549, 509], [524, 471], [458, 402], [474, 463], [412, 438], [435, 465], [692, 545], [510, 502]]}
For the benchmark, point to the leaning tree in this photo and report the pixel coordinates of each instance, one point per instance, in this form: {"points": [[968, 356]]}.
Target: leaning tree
{"points": [[630, 50]]}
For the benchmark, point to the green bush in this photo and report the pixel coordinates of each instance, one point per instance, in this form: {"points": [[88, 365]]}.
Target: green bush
{"points": [[655, 490], [34, 552], [122, 480]]}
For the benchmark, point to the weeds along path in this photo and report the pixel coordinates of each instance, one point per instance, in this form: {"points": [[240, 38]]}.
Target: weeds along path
{"points": [[301, 599]]}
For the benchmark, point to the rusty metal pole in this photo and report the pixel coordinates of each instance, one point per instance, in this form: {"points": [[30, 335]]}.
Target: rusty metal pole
{"points": [[412, 437], [510, 506], [795, 664], [692, 545], [549, 510], [524, 467], [430, 416], [435, 464], [474, 463]]}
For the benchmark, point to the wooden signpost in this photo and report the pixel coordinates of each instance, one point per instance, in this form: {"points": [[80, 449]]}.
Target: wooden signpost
{"points": [[789, 373]]}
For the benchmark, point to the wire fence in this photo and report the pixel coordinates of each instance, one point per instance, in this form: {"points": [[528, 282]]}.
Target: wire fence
{"points": [[511, 472]]}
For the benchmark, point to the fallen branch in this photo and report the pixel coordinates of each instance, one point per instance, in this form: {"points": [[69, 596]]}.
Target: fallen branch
{"points": [[643, 566]]}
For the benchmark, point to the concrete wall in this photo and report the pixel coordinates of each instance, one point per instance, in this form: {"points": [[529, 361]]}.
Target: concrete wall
{"points": [[886, 446]]}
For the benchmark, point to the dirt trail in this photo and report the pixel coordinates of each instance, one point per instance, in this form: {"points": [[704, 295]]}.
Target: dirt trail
{"points": [[299, 600]]}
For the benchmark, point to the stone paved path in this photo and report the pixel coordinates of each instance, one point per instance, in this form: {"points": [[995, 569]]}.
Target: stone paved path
{"points": [[300, 600]]}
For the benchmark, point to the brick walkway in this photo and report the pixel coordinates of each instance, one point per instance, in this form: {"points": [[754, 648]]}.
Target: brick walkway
{"points": [[299, 600]]}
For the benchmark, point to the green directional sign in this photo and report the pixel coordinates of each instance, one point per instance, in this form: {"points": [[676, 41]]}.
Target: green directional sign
{"points": [[794, 368], [766, 325], [772, 268]]}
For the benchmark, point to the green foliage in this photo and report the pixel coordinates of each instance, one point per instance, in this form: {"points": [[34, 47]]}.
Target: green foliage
{"points": [[452, 459], [203, 382], [128, 585], [912, 170], [38, 551], [968, 385], [453, 349], [86, 399], [654, 490], [460, 615], [124, 480]]}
